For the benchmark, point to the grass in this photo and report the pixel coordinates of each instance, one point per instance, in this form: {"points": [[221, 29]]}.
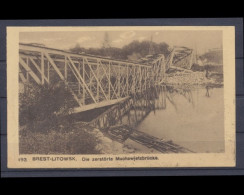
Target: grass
{"points": [[76, 141]]}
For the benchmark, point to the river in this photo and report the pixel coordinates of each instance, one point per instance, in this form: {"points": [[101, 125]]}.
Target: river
{"points": [[192, 117]]}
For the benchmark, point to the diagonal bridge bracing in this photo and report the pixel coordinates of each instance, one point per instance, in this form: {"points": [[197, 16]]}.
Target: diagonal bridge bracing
{"points": [[93, 81]]}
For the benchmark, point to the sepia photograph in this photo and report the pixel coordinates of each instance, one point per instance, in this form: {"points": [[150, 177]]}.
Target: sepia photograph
{"points": [[121, 96]]}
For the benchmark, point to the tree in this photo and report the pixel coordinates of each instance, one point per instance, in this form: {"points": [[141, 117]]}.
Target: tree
{"points": [[133, 50], [43, 106]]}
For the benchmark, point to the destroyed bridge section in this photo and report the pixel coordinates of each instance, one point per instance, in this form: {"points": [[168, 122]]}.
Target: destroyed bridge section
{"points": [[96, 81]]}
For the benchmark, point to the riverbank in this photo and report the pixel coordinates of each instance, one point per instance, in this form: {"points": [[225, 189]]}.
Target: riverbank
{"points": [[193, 78], [82, 139], [108, 146], [105, 145]]}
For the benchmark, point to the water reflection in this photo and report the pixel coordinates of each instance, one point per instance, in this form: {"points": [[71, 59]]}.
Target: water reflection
{"points": [[192, 117], [154, 99]]}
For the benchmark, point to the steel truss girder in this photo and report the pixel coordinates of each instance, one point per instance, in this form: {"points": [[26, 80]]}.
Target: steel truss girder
{"points": [[91, 80]]}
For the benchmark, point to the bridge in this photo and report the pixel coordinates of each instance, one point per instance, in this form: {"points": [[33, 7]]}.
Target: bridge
{"points": [[96, 81], [120, 121]]}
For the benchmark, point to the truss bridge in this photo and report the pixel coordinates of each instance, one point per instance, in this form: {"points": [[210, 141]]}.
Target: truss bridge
{"points": [[94, 81]]}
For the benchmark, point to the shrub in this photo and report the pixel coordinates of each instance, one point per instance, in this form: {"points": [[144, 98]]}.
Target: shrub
{"points": [[77, 141], [43, 107], [47, 126]]}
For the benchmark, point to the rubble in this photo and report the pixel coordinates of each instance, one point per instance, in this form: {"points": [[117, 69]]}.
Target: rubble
{"points": [[190, 78]]}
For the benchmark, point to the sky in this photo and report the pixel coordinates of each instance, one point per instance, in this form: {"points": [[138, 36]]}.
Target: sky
{"points": [[202, 40]]}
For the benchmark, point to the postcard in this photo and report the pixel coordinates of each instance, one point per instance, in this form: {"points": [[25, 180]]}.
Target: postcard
{"points": [[121, 96]]}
